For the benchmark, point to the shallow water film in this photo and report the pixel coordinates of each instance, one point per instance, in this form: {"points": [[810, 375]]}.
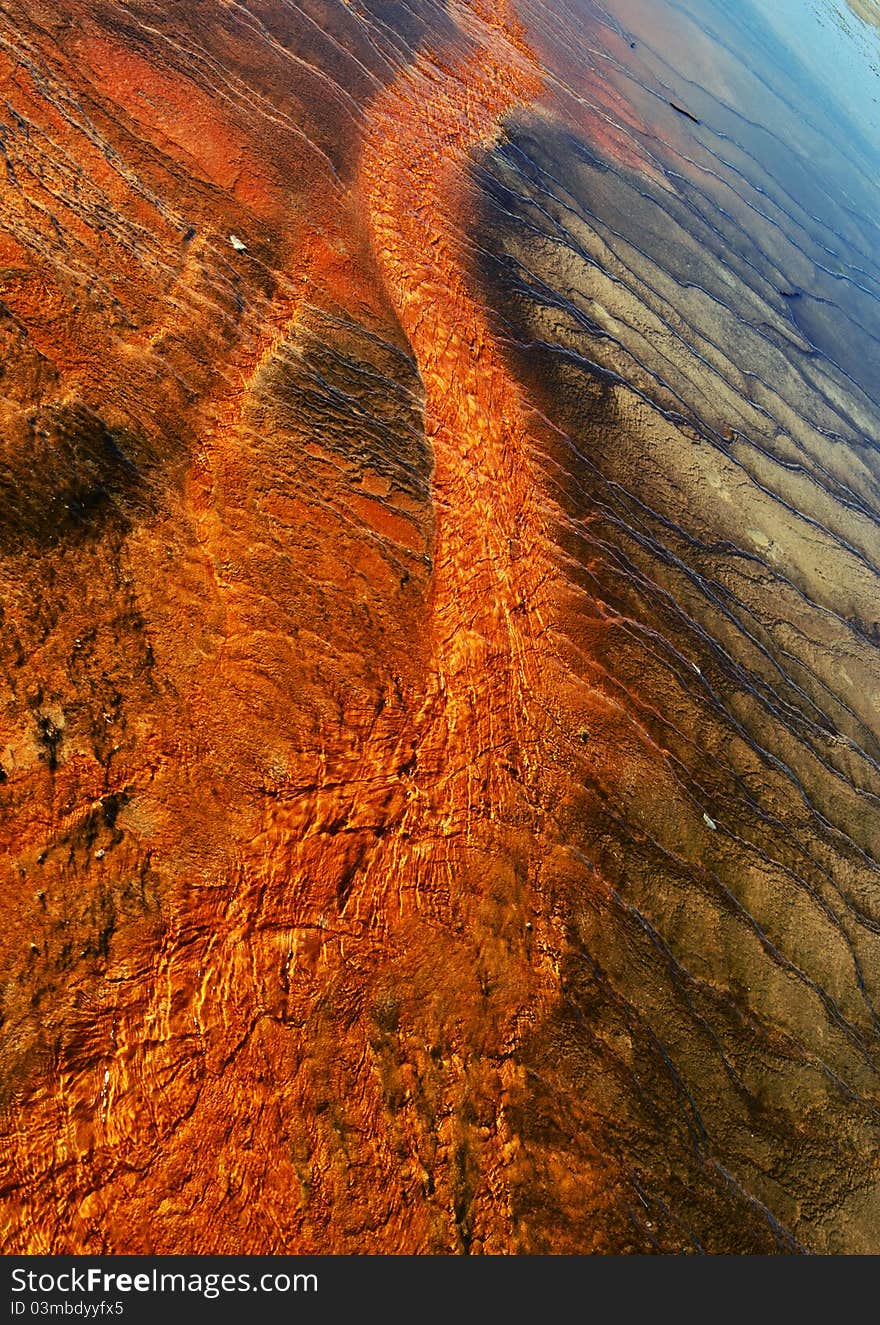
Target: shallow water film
{"points": [[439, 625]]}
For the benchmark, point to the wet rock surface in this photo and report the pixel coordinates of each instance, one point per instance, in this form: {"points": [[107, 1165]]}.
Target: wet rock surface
{"points": [[438, 632]]}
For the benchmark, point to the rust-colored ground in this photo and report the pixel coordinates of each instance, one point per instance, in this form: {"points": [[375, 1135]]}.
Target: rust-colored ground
{"points": [[438, 631]]}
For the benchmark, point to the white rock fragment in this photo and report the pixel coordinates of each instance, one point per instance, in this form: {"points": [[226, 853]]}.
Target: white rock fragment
{"points": [[710, 823], [237, 244]]}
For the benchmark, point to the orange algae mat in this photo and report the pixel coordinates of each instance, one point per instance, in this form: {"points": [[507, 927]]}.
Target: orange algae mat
{"points": [[439, 632]]}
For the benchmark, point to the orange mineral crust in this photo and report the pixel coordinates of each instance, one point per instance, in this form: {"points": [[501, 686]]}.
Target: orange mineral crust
{"points": [[438, 633]]}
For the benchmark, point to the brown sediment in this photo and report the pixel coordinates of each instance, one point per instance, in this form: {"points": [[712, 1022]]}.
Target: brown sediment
{"points": [[867, 10], [439, 744]]}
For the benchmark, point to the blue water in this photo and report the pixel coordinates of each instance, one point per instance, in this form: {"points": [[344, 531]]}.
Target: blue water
{"points": [[840, 50]]}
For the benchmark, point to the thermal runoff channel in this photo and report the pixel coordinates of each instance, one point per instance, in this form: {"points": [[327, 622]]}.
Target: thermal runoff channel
{"points": [[439, 758]]}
